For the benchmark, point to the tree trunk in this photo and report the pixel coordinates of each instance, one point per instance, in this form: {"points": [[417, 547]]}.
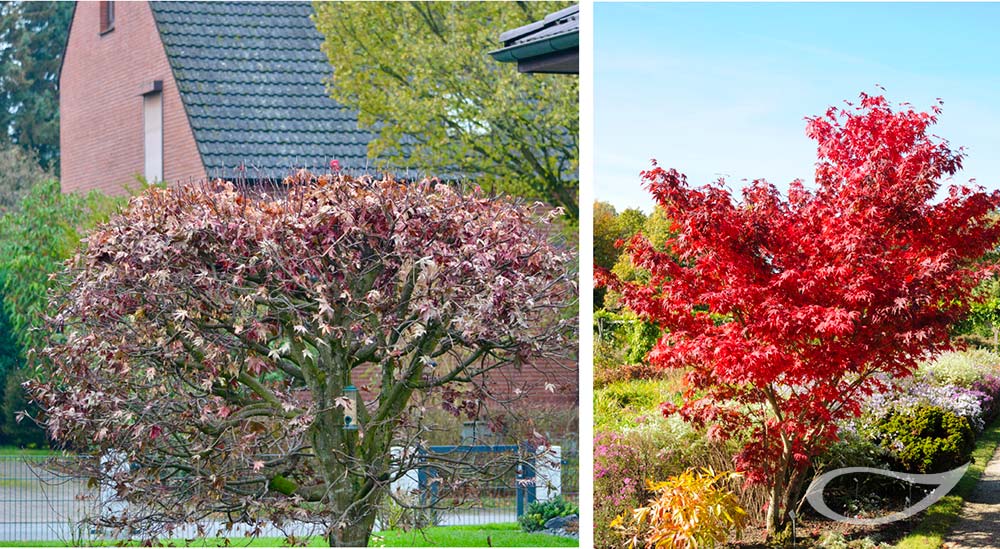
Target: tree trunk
{"points": [[775, 521], [786, 487], [355, 534]]}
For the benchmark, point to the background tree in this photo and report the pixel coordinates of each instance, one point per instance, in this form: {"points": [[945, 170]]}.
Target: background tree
{"points": [[32, 38], [784, 313], [19, 171], [611, 227], [37, 235], [208, 337], [438, 100]]}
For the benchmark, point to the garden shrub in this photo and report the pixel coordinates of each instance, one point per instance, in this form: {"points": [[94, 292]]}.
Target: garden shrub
{"points": [[655, 449], [540, 512], [610, 366], [914, 392], [989, 386], [692, 509], [960, 367], [625, 404], [927, 439], [628, 331], [854, 449], [836, 540], [622, 464], [621, 343]]}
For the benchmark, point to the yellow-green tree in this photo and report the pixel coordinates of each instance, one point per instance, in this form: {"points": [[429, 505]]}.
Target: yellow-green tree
{"points": [[420, 75]]}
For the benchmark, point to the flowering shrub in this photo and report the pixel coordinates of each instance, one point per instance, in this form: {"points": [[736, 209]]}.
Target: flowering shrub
{"points": [[912, 393], [960, 367], [989, 386], [655, 448], [692, 509], [619, 468]]}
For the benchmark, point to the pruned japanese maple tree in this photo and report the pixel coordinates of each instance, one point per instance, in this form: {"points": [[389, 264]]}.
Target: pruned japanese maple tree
{"points": [[208, 333], [785, 312]]}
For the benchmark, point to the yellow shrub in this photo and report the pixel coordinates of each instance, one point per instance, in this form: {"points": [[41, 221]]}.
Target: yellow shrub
{"points": [[690, 510]]}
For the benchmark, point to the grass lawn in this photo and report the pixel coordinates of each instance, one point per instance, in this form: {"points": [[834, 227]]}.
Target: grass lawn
{"points": [[19, 452], [940, 517], [499, 535]]}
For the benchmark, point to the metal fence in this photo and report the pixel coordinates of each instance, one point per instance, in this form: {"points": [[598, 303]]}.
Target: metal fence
{"points": [[571, 473], [37, 504]]}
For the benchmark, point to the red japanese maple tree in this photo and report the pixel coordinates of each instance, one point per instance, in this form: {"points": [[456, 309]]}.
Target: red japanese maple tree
{"points": [[783, 310]]}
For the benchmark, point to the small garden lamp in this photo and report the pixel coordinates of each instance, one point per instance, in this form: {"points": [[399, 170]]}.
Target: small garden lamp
{"points": [[351, 408]]}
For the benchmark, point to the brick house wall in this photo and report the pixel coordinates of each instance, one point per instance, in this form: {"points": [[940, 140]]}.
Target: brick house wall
{"points": [[101, 106], [545, 384]]}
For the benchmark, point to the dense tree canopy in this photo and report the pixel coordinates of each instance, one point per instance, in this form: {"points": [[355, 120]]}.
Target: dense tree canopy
{"points": [[35, 239], [37, 234], [610, 229], [785, 312], [208, 336], [421, 75], [32, 37]]}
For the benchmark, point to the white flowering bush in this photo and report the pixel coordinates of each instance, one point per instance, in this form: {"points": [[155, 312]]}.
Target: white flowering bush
{"points": [[960, 367]]}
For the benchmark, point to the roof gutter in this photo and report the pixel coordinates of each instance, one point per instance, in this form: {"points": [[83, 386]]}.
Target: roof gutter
{"points": [[553, 44]]}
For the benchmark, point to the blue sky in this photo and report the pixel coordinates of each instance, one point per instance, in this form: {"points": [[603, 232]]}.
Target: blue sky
{"points": [[723, 89]]}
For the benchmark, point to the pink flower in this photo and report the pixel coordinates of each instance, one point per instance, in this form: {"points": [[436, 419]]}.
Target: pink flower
{"points": [[335, 165]]}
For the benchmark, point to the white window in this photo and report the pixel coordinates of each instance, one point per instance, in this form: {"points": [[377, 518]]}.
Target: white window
{"points": [[152, 111]]}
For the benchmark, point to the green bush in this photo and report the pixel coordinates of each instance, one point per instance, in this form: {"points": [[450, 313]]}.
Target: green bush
{"points": [[540, 512], [627, 331], [855, 448], [927, 439], [624, 404]]}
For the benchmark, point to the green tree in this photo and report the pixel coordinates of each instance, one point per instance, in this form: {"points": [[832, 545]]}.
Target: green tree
{"points": [[420, 74], [32, 37], [35, 240], [609, 227], [36, 236], [19, 170], [605, 234], [656, 229], [9, 352]]}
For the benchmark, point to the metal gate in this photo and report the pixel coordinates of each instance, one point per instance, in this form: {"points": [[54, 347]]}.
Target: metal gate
{"points": [[503, 496]]}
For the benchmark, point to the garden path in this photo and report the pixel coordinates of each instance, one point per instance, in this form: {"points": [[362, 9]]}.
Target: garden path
{"points": [[979, 525]]}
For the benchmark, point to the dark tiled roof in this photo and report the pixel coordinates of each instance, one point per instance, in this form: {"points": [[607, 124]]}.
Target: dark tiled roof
{"points": [[252, 78], [564, 21]]}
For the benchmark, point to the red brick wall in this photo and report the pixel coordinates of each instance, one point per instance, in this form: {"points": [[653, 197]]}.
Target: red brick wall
{"points": [[546, 384], [100, 103]]}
